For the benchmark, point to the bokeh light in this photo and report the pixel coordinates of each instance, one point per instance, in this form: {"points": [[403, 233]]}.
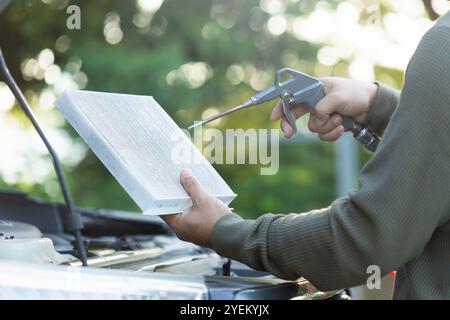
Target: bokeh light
{"points": [[196, 58]]}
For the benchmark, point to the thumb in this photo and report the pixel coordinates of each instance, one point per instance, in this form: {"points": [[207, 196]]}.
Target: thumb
{"points": [[192, 186]]}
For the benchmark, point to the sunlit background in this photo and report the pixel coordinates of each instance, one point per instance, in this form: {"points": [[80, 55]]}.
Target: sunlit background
{"points": [[195, 57]]}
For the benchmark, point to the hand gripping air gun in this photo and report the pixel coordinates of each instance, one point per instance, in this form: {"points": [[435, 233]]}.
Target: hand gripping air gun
{"points": [[300, 88]]}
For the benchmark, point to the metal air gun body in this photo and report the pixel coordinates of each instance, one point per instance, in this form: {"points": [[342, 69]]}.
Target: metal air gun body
{"points": [[300, 88]]}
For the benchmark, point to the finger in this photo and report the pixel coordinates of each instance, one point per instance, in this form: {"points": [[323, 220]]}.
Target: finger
{"points": [[328, 105], [297, 110], [277, 112], [286, 128], [329, 125], [333, 135], [192, 187]]}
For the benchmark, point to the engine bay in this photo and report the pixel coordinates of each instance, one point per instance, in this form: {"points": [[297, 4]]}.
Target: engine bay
{"points": [[35, 231]]}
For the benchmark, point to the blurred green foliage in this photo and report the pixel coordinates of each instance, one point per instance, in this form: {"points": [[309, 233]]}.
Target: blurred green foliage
{"points": [[219, 33]]}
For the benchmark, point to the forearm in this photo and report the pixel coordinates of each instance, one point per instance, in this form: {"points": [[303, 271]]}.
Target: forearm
{"points": [[332, 247], [402, 199]]}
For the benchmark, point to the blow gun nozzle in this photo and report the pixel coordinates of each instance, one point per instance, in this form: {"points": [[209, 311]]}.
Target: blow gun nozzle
{"points": [[246, 104]]}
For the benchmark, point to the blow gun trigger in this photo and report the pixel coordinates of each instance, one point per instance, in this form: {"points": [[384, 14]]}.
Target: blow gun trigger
{"points": [[285, 104]]}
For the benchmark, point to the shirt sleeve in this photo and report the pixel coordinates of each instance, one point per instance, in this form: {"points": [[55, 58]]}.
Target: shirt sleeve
{"points": [[382, 109], [402, 197]]}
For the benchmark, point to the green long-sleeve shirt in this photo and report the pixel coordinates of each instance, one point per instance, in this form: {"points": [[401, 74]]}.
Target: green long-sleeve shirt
{"points": [[399, 217]]}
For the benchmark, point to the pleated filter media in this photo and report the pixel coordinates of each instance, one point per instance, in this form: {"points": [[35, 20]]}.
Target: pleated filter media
{"points": [[142, 147]]}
